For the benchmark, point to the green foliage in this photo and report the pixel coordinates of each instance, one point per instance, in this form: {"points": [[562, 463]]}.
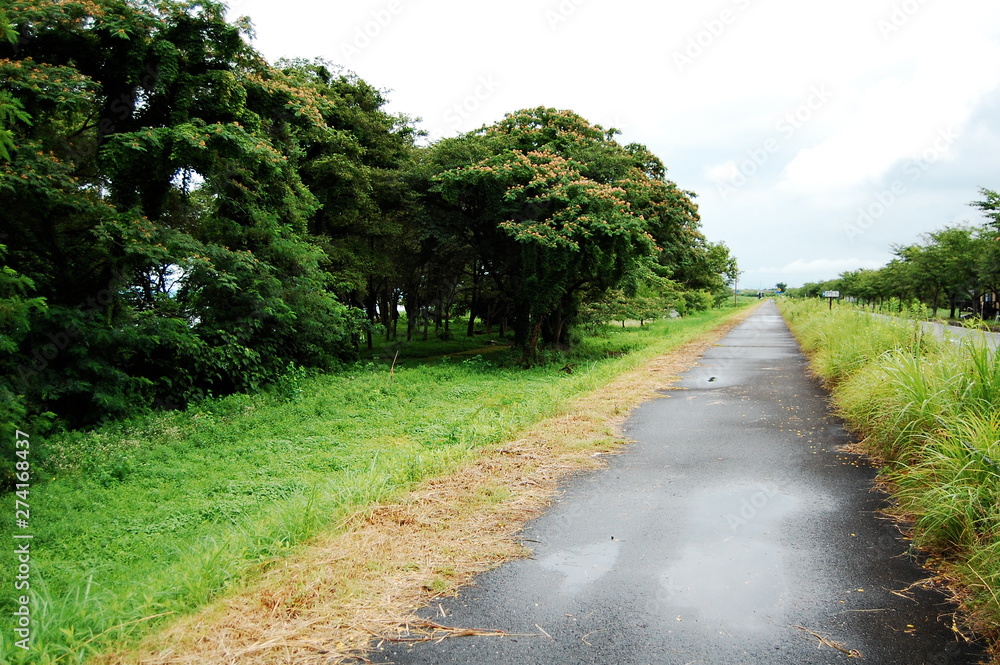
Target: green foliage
{"points": [[929, 410], [158, 194], [11, 111], [16, 309], [990, 205], [643, 296], [559, 214], [699, 301]]}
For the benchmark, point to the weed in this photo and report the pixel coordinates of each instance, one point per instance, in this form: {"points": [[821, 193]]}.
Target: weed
{"points": [[929, 409]]}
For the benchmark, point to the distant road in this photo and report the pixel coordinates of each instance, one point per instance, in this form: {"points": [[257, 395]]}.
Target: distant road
{"points": [[733, 531], [943, 330]]}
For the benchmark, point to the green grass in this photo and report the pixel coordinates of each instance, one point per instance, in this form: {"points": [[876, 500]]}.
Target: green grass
{"points": [[156, 516], [931, 410], [420, 351]]}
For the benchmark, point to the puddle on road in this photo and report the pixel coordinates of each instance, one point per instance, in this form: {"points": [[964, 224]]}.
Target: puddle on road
{"points": [[738, 585], [583, 565], [731, 574], [740, 511]]}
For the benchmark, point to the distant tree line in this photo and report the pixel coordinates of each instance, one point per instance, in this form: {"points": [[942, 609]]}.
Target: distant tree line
{"points": [[956, 268], [182, 218]]}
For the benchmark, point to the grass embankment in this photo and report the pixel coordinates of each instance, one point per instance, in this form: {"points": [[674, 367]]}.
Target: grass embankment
{"points": [[148, 520], [929, 409]]}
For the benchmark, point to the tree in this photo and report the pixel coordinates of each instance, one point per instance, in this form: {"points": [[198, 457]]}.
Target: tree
{"points": [[154, 196], [944, 264], [549, 212], [354, 160], [186, 219], [17, 305], [860, 284], [990, 205]]}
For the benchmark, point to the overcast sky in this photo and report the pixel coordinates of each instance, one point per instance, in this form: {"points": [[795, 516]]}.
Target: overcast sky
{"points": [[816, 134]]}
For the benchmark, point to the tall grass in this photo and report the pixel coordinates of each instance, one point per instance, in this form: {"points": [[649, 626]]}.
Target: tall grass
{"points": [[154, 517], [930, 409]]}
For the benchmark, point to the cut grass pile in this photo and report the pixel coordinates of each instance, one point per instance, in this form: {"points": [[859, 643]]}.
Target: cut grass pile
{"points": [[148, 520], [928, 409]]}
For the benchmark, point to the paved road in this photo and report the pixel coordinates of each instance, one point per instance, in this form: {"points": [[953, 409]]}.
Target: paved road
{"points": [[945, 331], [954, 332], [732, 524]]}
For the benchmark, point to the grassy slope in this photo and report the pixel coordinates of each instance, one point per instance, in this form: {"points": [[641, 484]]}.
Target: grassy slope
{"points": [[159, 515], [929, 410]]}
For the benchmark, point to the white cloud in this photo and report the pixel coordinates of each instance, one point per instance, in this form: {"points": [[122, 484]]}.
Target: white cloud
{"points": [[922, 84], [724, 172], [831, 267]]}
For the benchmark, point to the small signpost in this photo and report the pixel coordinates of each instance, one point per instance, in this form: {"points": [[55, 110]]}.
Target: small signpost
{"points": [[831, 295]]}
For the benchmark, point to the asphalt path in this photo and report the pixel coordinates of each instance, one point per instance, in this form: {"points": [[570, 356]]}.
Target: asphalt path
{"points": [[949, 332], [733, 530]]}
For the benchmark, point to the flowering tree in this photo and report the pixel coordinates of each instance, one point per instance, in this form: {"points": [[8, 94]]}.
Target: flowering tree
{"points": [[558, 211]]}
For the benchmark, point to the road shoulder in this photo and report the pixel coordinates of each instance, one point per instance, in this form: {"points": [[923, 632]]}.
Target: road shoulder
{"points": [[332, 600]]}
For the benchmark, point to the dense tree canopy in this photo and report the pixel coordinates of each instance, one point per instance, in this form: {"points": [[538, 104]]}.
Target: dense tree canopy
{"points": [[181, 217], [156, 192], [556, 214], [546, 225]]}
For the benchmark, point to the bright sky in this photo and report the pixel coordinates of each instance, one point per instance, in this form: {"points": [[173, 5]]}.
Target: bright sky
{"points": [[816, 134]]}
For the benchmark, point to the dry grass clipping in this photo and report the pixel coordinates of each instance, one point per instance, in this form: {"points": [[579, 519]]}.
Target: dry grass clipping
{"points": [[327, 603]]}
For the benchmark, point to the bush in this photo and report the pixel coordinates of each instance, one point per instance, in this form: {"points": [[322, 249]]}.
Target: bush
{"points": [[699, 301]]}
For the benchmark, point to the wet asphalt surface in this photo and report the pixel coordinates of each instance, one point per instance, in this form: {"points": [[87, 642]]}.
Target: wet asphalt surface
{"points": [[732, 523]]}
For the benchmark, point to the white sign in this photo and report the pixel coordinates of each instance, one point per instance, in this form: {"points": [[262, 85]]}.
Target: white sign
{"points": [[831, 294]]}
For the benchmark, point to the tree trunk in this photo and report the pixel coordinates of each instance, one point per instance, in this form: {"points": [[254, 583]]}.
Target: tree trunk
{"points": [[372, 312], [411, 318], [474, 302], [387, 310], [531, 348], [554, 329], [470, 330]]}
